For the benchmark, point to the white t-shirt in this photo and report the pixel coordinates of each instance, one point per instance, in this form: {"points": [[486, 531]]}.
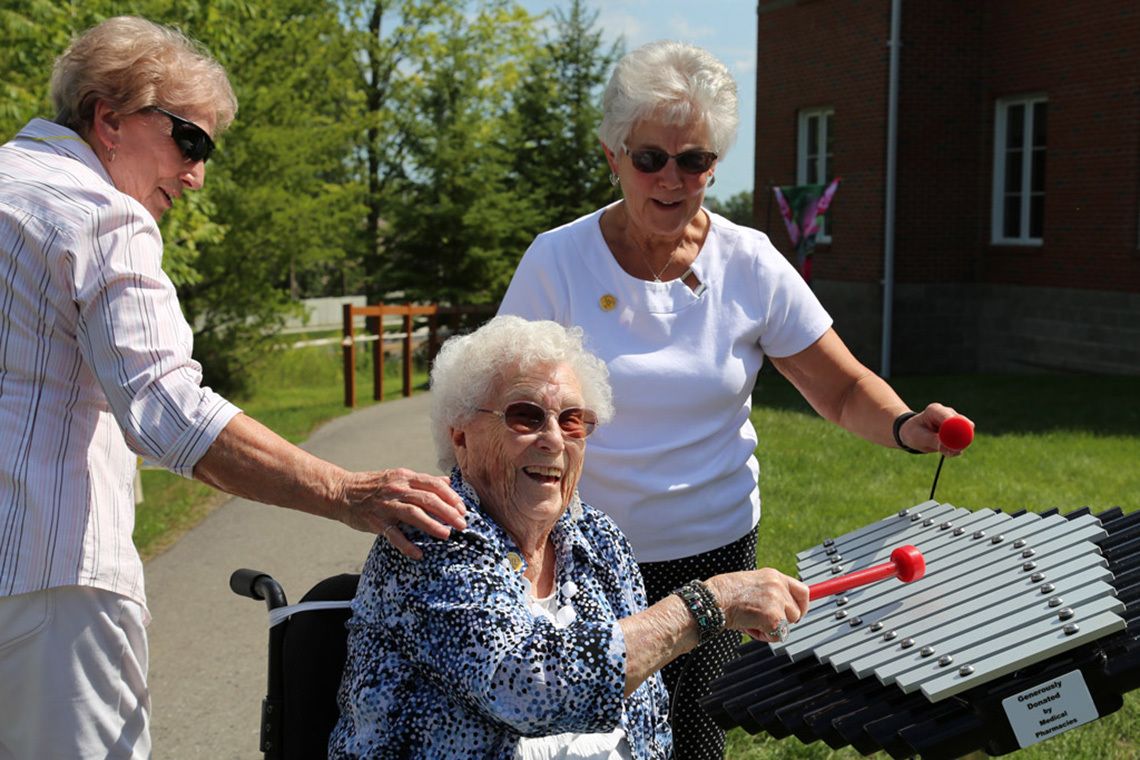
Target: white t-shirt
{"points": [[675, 468]]}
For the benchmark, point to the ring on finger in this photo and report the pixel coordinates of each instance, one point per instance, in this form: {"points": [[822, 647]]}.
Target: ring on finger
{"points": [[385, 533], [780, 632]]}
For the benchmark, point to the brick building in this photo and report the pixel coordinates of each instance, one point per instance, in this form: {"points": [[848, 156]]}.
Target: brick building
{"points": [[1016, 234]]}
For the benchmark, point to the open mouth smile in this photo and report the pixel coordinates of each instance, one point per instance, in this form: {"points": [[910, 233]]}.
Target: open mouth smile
{"points": [[546, 475]]}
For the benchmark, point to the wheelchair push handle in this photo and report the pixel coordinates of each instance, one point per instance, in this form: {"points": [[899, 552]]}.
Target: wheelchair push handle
{"points": [[258, 585]]}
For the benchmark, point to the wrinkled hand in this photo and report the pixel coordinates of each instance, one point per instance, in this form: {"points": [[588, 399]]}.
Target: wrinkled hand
{"points": [[921, 431], [377, 502], [755, 601]]}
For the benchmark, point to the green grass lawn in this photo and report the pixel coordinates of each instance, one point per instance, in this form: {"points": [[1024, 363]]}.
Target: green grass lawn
{"points": [[1041, 442]]}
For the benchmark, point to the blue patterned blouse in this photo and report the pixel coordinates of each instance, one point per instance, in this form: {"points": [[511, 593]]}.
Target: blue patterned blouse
{"points": [[446, 660]]}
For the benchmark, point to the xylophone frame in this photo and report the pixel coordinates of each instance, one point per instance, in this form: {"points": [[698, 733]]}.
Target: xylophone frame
{"points": [[846, 684]]}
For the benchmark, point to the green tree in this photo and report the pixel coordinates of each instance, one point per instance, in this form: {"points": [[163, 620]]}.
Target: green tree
{"points": [[33, 33], [452, 211], [737, 208], [392, 39], [559, 165], [287, 196]]}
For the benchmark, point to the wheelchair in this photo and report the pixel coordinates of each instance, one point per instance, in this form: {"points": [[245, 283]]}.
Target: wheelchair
{"points": [[308, 645]]}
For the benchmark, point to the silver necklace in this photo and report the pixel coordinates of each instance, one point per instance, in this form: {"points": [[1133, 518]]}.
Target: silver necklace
{"points": [[657, 275]]}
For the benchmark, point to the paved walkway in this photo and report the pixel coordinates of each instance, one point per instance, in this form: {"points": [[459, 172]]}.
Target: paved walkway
{"points": [[208, 646]]}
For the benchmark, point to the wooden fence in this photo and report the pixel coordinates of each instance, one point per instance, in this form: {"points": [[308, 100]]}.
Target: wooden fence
{"points": [[374, 323]]}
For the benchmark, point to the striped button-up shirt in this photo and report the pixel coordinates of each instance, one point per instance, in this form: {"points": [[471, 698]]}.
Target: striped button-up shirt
{"points": [[94, 365]]}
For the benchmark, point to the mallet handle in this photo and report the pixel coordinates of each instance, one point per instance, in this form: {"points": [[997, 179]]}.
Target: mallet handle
{"points": [[851, 580], [906, 562]]}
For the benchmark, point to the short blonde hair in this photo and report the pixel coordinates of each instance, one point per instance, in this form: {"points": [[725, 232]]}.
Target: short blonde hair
{"points": [[468, 367], [133, 64]]}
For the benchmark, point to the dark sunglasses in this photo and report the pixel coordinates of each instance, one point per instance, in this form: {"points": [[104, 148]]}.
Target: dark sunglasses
{"points": [[527, 417], [653, 160], [191, 139]]}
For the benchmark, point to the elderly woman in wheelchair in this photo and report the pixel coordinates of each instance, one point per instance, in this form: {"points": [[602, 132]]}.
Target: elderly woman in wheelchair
{"points": [[527, 635]]}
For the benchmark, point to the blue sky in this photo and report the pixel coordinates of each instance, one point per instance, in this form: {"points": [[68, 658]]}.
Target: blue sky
{"points": [[726, 28]]}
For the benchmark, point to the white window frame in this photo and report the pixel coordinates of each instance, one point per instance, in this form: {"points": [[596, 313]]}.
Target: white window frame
{"points": [[1001, 126], [822, 159]]}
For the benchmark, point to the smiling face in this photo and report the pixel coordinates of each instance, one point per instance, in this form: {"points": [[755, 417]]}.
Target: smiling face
{"points": [[524, 480], [661, 204], [147, 164]]}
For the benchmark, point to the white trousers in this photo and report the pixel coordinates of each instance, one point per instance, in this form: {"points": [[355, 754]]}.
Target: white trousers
{"points": [[73, 664]]}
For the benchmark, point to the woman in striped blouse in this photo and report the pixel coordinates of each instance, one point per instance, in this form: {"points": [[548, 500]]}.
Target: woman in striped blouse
{"points": [[96, 370]]}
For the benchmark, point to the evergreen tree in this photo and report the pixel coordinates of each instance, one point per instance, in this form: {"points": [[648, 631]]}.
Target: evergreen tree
{"points": [[559, 163], [453, 213], [387, 33]]}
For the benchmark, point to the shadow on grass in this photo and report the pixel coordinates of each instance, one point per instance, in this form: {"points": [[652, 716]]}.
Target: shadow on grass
{"points": [[1001, 404]]}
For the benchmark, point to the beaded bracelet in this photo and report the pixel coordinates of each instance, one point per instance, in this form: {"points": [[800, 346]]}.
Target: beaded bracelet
{"points": [[704, 608], [898, 426]]}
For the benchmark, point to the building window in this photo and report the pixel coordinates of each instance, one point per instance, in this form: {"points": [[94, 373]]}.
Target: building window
{"points": [[1019, 171], [813, 156]]}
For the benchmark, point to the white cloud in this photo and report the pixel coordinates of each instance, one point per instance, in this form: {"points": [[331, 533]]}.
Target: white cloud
{"points": [[617, 23], [683, 28], [744, 66]]}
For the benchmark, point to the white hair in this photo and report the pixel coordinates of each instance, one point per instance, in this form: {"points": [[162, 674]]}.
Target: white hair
{"points": [[674, 83], [469, 367]]}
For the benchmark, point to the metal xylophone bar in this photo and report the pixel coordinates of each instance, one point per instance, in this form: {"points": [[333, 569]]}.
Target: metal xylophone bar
{"points": [[1010, 601]]}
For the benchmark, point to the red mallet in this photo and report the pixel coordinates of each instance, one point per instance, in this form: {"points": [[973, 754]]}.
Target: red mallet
{"points": [[956, 433], [906, 563]]}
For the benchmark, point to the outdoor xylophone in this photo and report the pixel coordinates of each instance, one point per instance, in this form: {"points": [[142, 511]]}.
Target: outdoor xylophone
{"points": [[1024, 626]]}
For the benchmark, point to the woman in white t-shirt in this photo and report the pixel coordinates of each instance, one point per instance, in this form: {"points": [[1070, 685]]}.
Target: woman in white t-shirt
{"points": [[683, 306]]}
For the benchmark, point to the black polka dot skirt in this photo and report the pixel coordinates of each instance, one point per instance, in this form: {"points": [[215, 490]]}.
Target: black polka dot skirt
{"points": [[695, 735]]}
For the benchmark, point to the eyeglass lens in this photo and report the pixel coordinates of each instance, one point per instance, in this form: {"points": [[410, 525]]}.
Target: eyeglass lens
{"points": [[652, 160], [525, 417], [191, 139]]}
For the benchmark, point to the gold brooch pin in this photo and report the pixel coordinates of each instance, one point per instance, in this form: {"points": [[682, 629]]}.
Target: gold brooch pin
{"points": [[607, 302], [515, 561]]}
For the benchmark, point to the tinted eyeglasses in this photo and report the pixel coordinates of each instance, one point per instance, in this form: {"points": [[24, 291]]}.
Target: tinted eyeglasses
{"points": [[526, 417], [653, 160], [191, 139]]}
